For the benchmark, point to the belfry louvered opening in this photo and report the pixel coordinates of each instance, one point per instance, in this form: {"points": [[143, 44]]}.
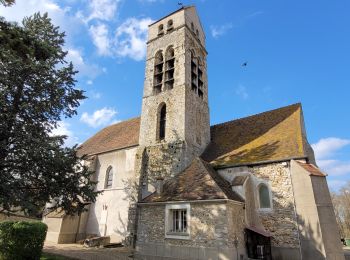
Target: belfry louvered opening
{"points": [[169, 68], [158, 72], [197, 84]]}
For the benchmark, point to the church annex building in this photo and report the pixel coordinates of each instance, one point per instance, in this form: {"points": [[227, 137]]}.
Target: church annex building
{"points": [[175, 187]]}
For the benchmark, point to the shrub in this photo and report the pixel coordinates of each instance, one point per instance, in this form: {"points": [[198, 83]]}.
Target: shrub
{"points": [[21, 240]]}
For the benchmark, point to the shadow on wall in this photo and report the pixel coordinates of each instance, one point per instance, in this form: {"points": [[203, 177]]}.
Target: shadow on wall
{"points": [[211, 235], [311, 248]]}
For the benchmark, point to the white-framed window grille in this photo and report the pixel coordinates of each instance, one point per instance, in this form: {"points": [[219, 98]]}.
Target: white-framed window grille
{"points": [[177, 221]]}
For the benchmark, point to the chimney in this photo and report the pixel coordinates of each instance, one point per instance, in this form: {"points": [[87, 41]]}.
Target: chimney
{"points": [[159, 185]]}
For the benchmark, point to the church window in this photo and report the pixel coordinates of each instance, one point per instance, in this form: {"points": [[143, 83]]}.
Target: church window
{"points": [[160, 29], [162, 122], [197, 83], [192, 27], [169, 68], [264, 196], [193, 73], [158, 72], [177, 221], [109, 178], [170, 25], [200, 80]]}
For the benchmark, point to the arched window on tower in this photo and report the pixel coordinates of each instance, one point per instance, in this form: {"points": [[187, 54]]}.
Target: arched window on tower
{"points": [[170, 25], [160, 29], [162, 122], [158, 72], [109, 178], [197, 83], [200, 78], [169, 68], [264, 196]]}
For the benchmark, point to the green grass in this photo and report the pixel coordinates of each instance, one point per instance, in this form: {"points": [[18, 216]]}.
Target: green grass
{"points": [[47, 256]]}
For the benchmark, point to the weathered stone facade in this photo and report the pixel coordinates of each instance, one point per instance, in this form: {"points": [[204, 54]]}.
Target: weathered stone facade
{"points": [[213, 226], [281, 220]]}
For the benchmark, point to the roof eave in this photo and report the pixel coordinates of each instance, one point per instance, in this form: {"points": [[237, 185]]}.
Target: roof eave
{"points": [[257, 163], [189, 201]]}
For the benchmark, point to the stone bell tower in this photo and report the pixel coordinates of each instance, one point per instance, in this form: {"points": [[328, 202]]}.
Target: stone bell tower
{"points": [[175, 115]]}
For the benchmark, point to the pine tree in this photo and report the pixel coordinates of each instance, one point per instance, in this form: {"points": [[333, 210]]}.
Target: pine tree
{"points": [[37, 89]]}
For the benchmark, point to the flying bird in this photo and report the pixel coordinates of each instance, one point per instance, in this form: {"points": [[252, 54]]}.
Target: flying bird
{"points": [[181, 4], [245, 64]]}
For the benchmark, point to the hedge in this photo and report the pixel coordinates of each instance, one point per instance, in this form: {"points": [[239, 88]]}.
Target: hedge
{"points": [[21, 240]]}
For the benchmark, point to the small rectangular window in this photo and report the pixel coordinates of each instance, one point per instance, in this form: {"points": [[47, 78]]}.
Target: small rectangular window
{"points": [[179, 224], [177, 221]]}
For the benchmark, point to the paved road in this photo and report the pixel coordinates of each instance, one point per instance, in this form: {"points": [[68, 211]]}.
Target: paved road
{"points": [[79, 252]]}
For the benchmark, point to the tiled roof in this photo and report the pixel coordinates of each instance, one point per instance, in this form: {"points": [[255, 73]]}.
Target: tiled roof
{"points": [[117, 136], [198, 182], [312, 169], [269, 136]]}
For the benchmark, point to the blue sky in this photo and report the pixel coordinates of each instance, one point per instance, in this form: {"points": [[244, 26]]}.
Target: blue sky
{"points": [[297, 51]]}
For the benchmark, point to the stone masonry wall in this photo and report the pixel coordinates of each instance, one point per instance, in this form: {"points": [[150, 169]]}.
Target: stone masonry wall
{"points": [[211, 225], [281, 220]]}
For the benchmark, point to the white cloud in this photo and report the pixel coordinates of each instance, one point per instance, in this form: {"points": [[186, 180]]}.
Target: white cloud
{"points": [[326, 150], [99, 35], [325, 147], [63, 129], [60, 15], [85, 69], [252, 15], [242, 92], [99, 118], [95, 95], [103, 9], [26, 8], [334, 167], [89, 82], [131, 38], [217, 31]]}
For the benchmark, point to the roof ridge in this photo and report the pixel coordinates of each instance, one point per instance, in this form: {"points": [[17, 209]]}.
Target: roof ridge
{"points": [[261, 113]]}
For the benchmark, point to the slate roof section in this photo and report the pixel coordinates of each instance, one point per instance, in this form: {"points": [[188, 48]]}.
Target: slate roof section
{"points": [[198, 182], [270, 136], [312, 169], [121, 135]]}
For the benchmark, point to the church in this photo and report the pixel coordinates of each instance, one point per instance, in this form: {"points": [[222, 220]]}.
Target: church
{"points": [[176, 187]]}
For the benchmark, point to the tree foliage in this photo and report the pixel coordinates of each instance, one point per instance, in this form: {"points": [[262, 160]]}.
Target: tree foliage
{"points": [[341, 204], [7, 2], [37, 88]]}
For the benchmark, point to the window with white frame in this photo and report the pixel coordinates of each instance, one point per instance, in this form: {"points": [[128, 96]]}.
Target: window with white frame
{"points": [[264, 196], [177, 221]]}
